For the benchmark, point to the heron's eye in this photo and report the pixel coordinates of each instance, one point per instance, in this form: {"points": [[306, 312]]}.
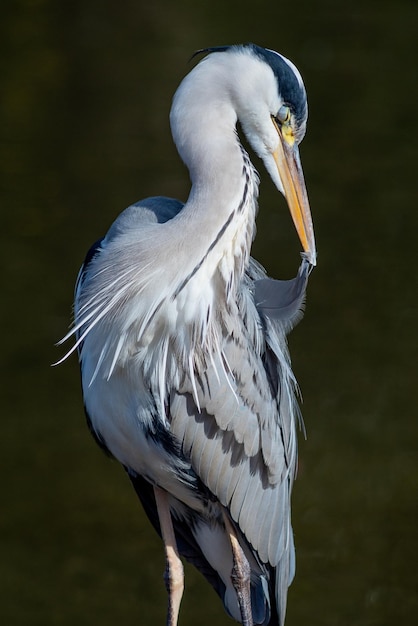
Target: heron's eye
{"points": [[283, 115]]}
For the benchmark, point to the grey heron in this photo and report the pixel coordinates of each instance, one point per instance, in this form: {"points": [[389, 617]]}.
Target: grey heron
{"points": [[181, 338]]}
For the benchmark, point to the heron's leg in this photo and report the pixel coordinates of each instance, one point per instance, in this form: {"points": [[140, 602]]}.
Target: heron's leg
{"points": [[174, 573], [240, 575]]}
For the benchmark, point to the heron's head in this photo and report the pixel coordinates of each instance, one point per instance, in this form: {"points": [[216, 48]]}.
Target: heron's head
{"points": [[269, 98]]}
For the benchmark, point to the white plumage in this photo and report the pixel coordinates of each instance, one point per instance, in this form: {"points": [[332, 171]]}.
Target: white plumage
{"points": [[186, 376]]}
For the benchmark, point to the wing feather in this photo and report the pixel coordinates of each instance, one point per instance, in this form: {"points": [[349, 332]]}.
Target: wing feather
{"points": [[241, 441]]}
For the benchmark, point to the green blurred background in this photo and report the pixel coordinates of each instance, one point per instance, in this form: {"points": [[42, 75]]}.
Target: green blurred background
{"points": [[85, 94]]}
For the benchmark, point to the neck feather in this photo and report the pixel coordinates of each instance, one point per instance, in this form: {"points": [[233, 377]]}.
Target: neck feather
{"points": [[218, 218], [191, 266]]}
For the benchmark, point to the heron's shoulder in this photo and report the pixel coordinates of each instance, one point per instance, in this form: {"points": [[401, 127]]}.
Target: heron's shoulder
{"points": [[153, 210]]}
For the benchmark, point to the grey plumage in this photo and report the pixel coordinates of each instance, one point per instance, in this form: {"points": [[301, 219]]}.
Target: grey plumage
{"points": [[182, 337]]}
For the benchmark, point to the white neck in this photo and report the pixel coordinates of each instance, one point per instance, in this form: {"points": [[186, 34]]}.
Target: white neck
{"points": [[220, 212]]}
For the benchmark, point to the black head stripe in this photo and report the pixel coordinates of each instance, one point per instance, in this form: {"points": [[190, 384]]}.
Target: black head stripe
{"points": [[291, 91]]}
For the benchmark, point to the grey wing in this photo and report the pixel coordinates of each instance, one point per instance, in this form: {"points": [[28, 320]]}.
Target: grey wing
{"points": [[283, 299], [241, 440]]}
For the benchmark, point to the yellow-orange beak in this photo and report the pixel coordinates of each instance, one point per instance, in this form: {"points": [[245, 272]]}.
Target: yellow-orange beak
{"points": [[287, 160]]}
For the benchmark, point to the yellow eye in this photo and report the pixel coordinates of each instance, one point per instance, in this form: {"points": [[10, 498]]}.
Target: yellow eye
{"points": [[283, 115]]}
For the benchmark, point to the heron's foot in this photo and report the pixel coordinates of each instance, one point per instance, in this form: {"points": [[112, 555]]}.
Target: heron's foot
{"points": [[240, 575], [174, 572], [174, 582]]}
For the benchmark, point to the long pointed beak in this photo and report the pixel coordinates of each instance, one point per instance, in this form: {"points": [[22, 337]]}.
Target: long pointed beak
{"points": [[288, 163]]}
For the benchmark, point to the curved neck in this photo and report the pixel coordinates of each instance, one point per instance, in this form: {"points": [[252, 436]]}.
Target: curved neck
{"points": [[219, 214]]}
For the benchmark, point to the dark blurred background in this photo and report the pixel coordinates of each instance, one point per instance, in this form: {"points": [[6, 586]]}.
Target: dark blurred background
{"points": [[86, 87]]}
